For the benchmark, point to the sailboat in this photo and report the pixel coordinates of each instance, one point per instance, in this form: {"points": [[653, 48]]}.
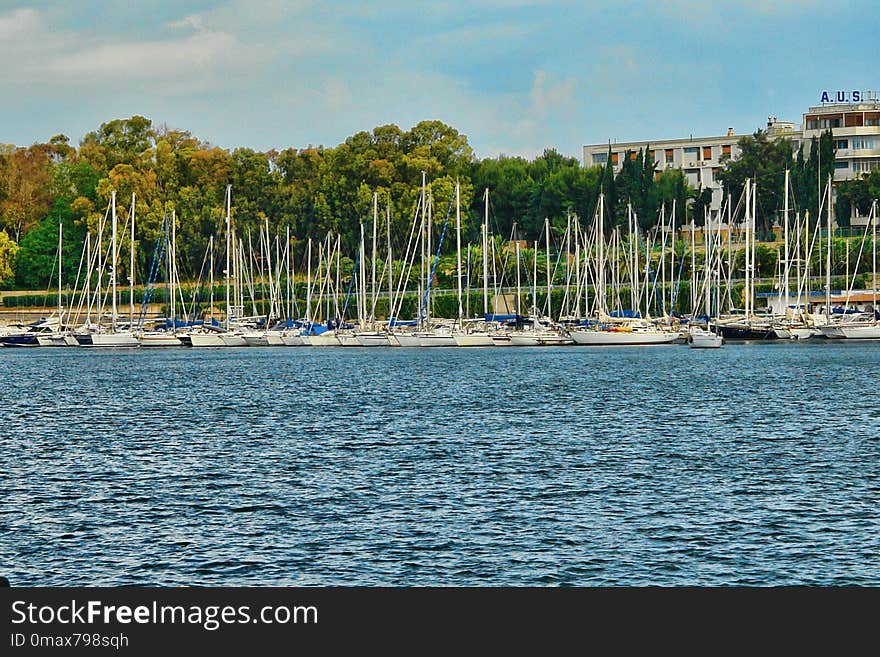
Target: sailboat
{"points": [[60, 336], [167, 337], [864, 327], [697, 336], [371, 336], [112, 335], [747, 326], [604, 329], [470, 336]]}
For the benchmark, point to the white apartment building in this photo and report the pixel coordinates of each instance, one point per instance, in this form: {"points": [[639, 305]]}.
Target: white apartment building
{"points": [[856, 130], [854, 118]]}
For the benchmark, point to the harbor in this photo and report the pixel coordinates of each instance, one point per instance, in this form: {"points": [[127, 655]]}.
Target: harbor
{"points": [[613, 287]]}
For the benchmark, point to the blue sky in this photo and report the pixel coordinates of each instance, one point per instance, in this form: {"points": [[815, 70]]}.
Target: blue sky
{"points": [[515, 77]]}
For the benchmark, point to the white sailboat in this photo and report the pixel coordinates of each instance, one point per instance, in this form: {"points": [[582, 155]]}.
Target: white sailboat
{"points": [[113, 336], [471, 336], [615, 331]]}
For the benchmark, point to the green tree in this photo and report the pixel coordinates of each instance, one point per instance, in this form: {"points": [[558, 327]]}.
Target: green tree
{"points": [[763, 160]]}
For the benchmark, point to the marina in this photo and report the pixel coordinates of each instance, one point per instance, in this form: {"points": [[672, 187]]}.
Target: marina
{"points": [[612, 287]]}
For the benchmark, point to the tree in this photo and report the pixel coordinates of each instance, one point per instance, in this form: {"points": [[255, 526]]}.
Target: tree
{"points": [[8, 253], [763, 161]]}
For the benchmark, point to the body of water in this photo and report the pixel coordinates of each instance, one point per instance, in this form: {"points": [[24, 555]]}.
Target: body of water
{"points": [[748, 465]]}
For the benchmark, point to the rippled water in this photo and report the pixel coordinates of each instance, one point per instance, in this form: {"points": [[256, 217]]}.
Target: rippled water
{"points": [[755, 465]]}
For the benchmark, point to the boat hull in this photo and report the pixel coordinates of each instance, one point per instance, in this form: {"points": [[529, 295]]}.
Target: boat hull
{"points": [[327, 339], [206, 340], [292, 340], [704, 340], [864, 332], [436, 340], [745, 332], [407, 340], [20, 340], [530, 339], [233, 340], [473, 340], [155, 340], [373, 339], [623, 338], [122, 340]]}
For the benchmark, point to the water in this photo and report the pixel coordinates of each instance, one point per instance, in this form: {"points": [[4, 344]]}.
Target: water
{"points": [[751, 465]]}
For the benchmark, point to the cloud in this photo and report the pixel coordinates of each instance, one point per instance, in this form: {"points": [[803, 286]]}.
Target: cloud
{"points": [[18, 22], [150, 59]]}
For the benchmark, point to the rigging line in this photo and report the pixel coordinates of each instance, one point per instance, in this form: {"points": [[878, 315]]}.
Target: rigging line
{"points": [[424, 305]]}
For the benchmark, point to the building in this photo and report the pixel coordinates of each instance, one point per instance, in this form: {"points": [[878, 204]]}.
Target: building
{"points": [[853, 117], [698, 157], [856, 130]]}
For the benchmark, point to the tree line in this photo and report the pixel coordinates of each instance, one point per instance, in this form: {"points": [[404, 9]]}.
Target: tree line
{"points": [[318, 189]]}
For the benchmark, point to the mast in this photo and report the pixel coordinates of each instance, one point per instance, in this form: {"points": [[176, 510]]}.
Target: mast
{"points": [[131, 270], [518, 286], [60, 320], [287, 259], [549, 272], [211, 273], [422, 231], [458, 248], [173, 273], [373, 259], [672, 287], [784, 289], [113, 263], [390, 261], [309, 285], [828, 254], [362, 304], [874, 258], [748, 251], [228, 246], [600, 269], [486, 252], [694, 266]]}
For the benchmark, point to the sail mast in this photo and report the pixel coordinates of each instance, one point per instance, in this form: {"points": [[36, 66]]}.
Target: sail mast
{"points": [[228, 246], [173, 274], [113, 264], [390, 261], [486, 252], [784, 289], [131, 270], [828, 254], [458, 248], [549, 269]]}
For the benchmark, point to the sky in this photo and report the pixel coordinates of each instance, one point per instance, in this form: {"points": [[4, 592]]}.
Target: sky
{"points": [[515, 76]]}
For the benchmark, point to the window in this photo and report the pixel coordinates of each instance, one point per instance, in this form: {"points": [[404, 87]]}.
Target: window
{"points": [[633, 156], [841, 143], [862, 143], [865, 166], [614, 158], [841, 165], [651, 154], [691, 150], [725, 150], [707, 152], [600, 158], [669, 155], [812, 124]]}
